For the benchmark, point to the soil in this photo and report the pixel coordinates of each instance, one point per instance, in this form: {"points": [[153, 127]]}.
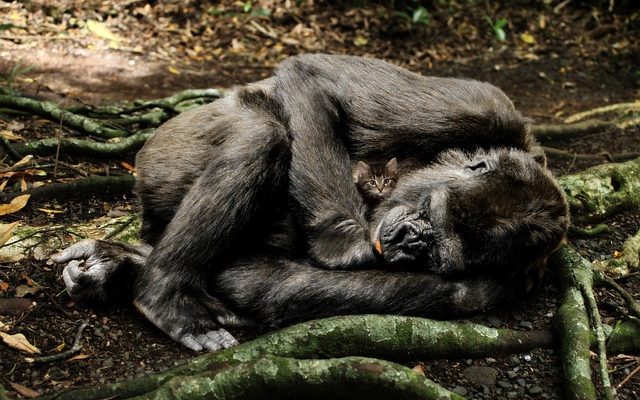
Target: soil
{"points": [[575, 58]]}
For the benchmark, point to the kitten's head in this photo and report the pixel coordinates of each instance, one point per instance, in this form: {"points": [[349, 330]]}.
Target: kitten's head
{"points": [[376, 182]]}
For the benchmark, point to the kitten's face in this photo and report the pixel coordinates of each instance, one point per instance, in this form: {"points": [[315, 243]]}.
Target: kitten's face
{"points": [[376, 182]]}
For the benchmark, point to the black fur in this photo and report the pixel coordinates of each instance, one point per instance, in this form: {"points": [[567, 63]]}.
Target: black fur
{"points": [[473, 226]]}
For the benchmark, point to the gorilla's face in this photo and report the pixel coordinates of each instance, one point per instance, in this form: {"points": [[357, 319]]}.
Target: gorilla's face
{"points": [[496, 208]]}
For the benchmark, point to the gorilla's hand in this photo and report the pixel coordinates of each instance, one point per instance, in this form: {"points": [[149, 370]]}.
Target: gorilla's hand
{"points": [[405, 238]]}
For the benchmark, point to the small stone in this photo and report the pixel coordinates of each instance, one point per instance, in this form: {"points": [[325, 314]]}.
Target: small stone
{"points": [[535, 390], [485, 389], [521, 382], [494, 321], [461, 390], [512, 395], [480, 375], [469, 361], [526, 324], [513, 361], [527, 358], [505, 384], [512, 374]]}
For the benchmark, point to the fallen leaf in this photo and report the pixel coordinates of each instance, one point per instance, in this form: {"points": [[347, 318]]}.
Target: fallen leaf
{"points": [[173, 70], [101, 30], [11, 136], [23, 161], [23, 290], [79, 357], [360, 41], [6, 231], [60, 347], [50, 211], [128, 166], [23, 390], [527, 38], [23, 184], [15, 205], [4, 286], [19, 342], [418, 368]]}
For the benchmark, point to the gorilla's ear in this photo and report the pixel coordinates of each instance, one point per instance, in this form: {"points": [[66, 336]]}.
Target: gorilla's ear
{"points": [[363, 169], [539, 156], [392, 167]]}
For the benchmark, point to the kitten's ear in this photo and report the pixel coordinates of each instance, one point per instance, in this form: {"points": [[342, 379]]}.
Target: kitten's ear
{"points": [[363, 169], [392, 167]]}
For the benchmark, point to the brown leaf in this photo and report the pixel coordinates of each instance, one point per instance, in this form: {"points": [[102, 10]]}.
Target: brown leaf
{"points": [[11, 136], [19, 342], [6, 231], [4, 286], [24, 290], [23, 390], [418, 368], [79, 357], [16, 205], [23, 161]]}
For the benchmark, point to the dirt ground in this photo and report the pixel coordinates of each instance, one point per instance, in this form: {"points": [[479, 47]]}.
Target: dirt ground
{"points": [[558, 58]]}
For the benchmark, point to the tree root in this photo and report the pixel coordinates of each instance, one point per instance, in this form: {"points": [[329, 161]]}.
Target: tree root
{"points": [[56, 114], [77, 188], [625, 337], [603, 190], [83, 147], [604, 156], [573, 324], [635, 106], [588, 232]]}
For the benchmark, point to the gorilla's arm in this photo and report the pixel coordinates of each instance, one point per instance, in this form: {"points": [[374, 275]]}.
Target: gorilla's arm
{"points": [[321, 185]]}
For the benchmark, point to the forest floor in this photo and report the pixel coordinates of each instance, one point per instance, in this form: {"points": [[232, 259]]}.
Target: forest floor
{"points": [[556, 59]]}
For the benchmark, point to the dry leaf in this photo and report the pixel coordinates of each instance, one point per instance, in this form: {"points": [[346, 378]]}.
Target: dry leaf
{"points": [[23, 161], [60, 347], [19, 342], [418, 368], [50, 211], [23, 390], [173, 70], [23, 290], [4, 286], [6, 231], [23, 184], [128, 166], [360, 41], [11, 136], [528, 38], [16, 205], [101, 30], [79, 357]]}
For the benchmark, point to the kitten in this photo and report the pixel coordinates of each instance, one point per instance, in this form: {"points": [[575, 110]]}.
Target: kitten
{"points": [[375, 182]]}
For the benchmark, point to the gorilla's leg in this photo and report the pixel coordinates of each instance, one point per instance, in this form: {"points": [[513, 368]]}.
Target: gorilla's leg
{"points": [[231, 199], [276, 292]]}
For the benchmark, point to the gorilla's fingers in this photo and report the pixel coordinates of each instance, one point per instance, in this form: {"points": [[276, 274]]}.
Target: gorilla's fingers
{"points": [[73, 270], [208, 343], [227, 339], [80, 250], [189, 341], [68, 281]]}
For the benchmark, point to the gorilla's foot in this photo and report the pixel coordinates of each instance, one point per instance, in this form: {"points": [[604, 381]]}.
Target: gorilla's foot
{"points": [[98, 270], [184, 319]]}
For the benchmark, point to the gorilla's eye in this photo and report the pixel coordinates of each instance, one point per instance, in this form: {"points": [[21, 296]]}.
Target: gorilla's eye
{"points": [[480, 166]]}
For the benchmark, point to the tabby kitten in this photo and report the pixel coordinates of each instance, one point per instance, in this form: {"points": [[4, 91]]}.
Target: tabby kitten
{"points": [[376, 182]]}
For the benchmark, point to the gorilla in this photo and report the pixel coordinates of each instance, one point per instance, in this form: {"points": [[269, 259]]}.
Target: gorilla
{"points": [[250, 215]]}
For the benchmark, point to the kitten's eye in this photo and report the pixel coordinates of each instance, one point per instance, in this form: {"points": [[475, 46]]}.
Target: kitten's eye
{"points": [[372, 182], [387, 181]]}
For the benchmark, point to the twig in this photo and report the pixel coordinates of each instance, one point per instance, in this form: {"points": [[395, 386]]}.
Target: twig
{"points": [[628, 378], [596, 325], [75, 348], [603, 279]]}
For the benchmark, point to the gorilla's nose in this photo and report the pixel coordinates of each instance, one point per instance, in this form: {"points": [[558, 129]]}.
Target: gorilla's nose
{"points": [[402, 236]]}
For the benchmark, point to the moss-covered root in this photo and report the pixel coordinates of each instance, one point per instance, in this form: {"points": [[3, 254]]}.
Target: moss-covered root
{"points": [[285, 378], [600, 191], [625, 337], [81, 147], [56, 114], [388, 337], [627, 261], [601, 279], [572, 324]]}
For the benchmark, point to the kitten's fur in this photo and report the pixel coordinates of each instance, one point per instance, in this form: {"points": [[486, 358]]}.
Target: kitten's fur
{"points": [[375, 182]]}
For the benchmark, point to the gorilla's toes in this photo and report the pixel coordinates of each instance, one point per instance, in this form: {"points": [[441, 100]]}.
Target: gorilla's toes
{"points": [[210, 341]]}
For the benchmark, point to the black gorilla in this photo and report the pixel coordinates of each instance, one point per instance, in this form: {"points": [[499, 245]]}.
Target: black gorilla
{"points": [[251, 215]]}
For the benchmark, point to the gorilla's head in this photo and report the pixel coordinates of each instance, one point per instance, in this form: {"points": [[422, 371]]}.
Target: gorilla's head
{"points": [[497, 209]]}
